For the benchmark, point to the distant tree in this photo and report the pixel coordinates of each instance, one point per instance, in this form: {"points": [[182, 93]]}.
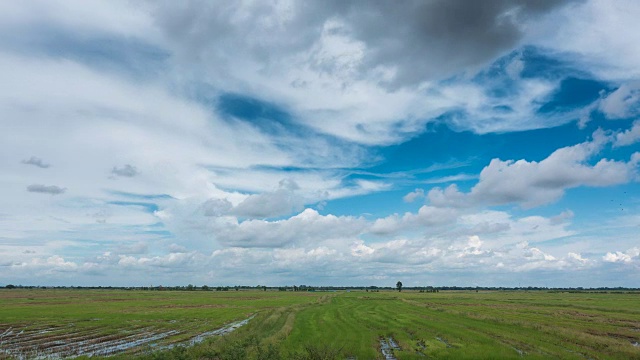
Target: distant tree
{"points": [[10, 286], [264, 288], [190, 287], [399, 286], [205, 288]]}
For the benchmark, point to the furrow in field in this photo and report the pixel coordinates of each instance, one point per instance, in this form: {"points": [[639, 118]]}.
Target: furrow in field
{"points": [[26, 334], [219, 332], [33, 340], [124, 344], [84, 345]]}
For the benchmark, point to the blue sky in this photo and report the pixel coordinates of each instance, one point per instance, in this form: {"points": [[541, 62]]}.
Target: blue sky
{"points": [[435, 142]]}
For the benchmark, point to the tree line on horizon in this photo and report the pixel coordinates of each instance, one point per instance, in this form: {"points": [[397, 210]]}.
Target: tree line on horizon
{"points": [[296, 288]]}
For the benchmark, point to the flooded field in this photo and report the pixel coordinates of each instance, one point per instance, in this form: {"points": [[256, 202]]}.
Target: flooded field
{"points": [[53, 324], [57, 324], [67, 342]]}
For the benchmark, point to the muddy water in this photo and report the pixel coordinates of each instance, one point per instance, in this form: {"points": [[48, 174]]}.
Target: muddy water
{"points": [[443, 341], [520, 352], [55, 343], [387, 346]]}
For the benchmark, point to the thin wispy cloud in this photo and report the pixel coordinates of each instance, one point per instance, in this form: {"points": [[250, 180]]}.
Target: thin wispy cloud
{"points": [[125, 171], [46, 189], [35, 161]]}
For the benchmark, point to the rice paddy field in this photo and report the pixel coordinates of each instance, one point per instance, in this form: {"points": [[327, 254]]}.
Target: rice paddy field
{"points": [[119, 324]]}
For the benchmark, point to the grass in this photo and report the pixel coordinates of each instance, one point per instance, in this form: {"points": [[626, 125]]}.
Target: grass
{"points": [[447, 325]]}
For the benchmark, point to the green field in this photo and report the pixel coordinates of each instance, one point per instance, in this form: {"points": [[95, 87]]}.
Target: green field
{"points": [[322, 325]]}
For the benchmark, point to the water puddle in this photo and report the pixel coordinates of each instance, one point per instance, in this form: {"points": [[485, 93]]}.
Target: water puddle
{"points": [[219, 332], [7, 332], [116, 346], [421, 346], [443, 341], [387, 346], [520, 352]]}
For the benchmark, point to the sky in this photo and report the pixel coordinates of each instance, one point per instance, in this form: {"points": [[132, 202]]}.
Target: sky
{"points": [[351, 143]]}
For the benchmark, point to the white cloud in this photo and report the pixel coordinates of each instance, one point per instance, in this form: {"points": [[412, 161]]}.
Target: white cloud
{"points": [[427, 216], [282, 201], [332, 246], [413, 196], [623, 102], [307, 227], [628, 137], [577, 257], [595, 34], [531, 183], [216, 207], [626, 257], [175, 248], [562, 217], [449, 197]]}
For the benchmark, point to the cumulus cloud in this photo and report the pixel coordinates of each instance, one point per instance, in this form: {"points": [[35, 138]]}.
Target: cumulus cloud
{"points": [[427, 216], [531, 183], [448, 197], [216, 207], [414, 195], [46, 189], [36, 161], [577, 258], [174, 261], [50, 265], [628, 137], [308, 227], [623, 257], [499, 228], [470, 253], [282, 201], [331, 246], [624, 102], [175, 248], [562, 217], [125, 171]]}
